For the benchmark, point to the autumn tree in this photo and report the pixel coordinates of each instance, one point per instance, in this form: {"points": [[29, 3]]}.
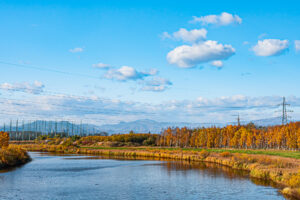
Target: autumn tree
{"points": [[4, 139]]}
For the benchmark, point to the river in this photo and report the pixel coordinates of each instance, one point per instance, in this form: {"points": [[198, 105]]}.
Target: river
{"points": [[61, 177]]}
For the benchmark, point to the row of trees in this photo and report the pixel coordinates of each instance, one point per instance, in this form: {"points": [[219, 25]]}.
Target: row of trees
{"points": [[246, 136], [131, 138]]}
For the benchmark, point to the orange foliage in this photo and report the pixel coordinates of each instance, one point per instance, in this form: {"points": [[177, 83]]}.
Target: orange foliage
{"points": [[4, 139], [247, 136]]}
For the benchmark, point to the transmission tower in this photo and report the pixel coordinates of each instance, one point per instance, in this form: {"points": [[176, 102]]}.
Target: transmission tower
{"points": [[284, 115], [238, 119]]}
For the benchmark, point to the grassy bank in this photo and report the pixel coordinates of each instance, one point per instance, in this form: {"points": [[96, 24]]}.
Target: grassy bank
{"points": [[281, 153], [281, 170], [13, 156]]}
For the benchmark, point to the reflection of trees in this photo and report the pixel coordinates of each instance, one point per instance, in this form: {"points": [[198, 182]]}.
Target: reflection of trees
{"points": [[210, 169], [213, 170], [264, 182]]}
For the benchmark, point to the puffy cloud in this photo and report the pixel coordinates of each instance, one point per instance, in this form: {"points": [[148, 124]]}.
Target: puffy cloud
{"points": [[270, 47], [125, 73], [76, 50], [223, 19], [187, 36], [34, 88], [217, 63], [101, 66], [186, 56], [297, 45], [157, 84]]}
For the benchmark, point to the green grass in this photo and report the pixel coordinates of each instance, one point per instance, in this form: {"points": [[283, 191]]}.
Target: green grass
{"points": [[281, 153]]}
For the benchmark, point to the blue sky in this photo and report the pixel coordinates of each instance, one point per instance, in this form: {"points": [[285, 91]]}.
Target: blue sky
{"points": [[115, 53]]}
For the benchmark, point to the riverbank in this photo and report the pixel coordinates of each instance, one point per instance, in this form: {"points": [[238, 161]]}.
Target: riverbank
{"points": [[13, 156], [283, 171]]}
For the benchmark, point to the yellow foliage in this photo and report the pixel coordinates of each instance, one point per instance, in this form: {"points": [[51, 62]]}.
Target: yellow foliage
{"points": [[225, 154], [4, 139], [204, 154], [13, 156]]}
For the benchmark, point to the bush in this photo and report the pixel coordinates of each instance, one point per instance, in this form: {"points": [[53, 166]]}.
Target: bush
{"points": [[294, 181], [204, 154], [13, 156], [68, 142], [225, 154], [149, 142]]}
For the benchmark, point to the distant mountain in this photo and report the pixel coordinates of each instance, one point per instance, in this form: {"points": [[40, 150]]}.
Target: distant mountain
{"points": [[146, 125], [138, 126], [267, 122]]}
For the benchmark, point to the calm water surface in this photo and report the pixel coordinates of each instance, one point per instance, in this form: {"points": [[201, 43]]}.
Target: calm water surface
{"points": [[73, 177]]}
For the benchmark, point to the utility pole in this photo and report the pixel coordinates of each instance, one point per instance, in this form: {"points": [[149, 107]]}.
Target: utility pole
{"points": [[10, 126], [17, 130], [46, 128], [23, 129], [29, 128], [81, 128], [36, 135], [284, 115], [72, 128], [68, 128], [55, 127]]}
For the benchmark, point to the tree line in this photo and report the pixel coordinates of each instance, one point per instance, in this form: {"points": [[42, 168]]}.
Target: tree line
{"points": [[234, 136]]}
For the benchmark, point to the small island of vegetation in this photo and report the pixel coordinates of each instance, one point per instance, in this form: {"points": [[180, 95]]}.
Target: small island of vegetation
{"points": [[11, 155]]}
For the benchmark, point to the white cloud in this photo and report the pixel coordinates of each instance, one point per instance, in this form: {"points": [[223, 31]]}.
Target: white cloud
{"points": [[245, 43], [34, 88], [270, 47], [165, 35], [223, 19], [157, 84], [188, 36], [262, 35], [100, 110], [297, 45], [76, 50], [125, 73], [101, 66], [217, 63], [186, 56]]}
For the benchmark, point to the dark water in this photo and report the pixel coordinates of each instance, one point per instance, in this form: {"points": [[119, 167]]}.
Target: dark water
{"points": [[54, 177]]}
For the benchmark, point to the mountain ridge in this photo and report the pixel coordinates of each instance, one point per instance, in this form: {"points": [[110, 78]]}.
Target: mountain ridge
{"points": [[137, 126]]}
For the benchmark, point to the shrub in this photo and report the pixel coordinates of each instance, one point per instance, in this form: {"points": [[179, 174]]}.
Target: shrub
{"points": [[150, 141], [204, 154], [294, 181], [225, 154], [12, 156]]}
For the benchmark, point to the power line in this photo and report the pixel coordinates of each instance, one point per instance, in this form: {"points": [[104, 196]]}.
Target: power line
{"points": [[48, 70]]}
